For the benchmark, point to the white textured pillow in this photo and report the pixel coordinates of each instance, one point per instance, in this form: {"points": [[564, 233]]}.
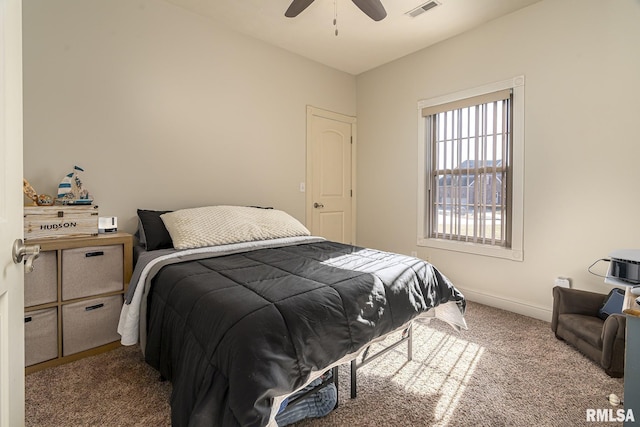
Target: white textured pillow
{"points": [[222, 225]]}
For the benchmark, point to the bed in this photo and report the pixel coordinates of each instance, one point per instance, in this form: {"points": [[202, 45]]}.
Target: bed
{"points": [[240, 306]]}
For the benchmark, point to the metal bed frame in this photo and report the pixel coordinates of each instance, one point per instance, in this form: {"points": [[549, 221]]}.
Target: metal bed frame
{"points": [[407, 335]]}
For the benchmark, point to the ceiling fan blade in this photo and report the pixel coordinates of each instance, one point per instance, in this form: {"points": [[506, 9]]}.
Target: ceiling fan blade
{"points": [[373, 8], [296, 7]]}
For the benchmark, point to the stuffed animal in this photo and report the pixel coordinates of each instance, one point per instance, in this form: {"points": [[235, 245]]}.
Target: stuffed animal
{"points": [[38, 199]]}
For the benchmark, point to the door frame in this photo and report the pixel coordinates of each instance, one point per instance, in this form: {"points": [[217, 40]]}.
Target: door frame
{"points": [[12, 373], [319, 112]]}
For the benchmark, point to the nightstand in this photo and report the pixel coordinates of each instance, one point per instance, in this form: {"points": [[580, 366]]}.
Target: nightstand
{"points": [[74, 296]]}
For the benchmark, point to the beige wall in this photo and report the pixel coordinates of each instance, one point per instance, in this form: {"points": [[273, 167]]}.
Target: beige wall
{"points": [[164, 109], [582, 108]]}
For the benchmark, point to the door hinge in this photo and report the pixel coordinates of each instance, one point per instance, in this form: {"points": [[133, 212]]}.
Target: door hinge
{"points": [[351, 138], [351, 191]]}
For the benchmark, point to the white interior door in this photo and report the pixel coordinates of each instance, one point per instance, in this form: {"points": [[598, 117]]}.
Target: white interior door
{"points": [[331, 175], [11, 201]]}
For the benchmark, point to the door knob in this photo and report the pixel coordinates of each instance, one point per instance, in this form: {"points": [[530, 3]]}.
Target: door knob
{"points": [[318, 205], [20, 251]]}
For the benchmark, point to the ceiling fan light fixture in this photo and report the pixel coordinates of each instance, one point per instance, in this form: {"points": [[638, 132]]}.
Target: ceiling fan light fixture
{"points": [[422, 8]]}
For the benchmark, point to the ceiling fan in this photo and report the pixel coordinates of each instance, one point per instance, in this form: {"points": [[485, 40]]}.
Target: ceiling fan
{"points": [[372, 8]]}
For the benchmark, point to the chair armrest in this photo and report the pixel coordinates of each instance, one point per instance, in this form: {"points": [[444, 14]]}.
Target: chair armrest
{"points": [[574, 301], [614, 327], [613, 339]]}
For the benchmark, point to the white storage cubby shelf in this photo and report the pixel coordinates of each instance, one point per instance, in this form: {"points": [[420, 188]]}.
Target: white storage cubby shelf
{"points": [[74, 296]]}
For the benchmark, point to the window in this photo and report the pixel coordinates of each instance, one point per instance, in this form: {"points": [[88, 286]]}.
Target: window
{"points": [[471, 169]]}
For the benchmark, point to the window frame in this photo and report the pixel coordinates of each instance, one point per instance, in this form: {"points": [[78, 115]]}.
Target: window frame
{"points": [[515, 251]]}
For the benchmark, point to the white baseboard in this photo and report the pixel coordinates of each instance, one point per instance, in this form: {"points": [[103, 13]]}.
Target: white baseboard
{"points": [[520, 307]]}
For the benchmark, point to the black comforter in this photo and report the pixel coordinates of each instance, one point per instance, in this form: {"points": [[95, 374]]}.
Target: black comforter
{"points": [[232, 332]]}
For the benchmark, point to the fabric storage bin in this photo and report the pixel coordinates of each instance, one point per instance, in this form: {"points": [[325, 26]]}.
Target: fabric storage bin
{"points": [[91, 323], [91, 271], [41, 285], [40, 336]]}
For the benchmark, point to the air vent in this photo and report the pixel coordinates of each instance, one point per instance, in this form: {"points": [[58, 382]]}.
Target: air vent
{"points": [[422, 8]]}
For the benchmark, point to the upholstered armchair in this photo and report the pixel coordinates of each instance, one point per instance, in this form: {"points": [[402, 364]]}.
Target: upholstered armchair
{"points": [[575, 320]]}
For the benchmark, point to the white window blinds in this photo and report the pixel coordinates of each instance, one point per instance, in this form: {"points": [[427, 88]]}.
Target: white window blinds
{"points": [[470, 147]]}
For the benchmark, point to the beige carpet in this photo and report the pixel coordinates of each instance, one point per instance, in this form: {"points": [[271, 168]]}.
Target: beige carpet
{"points": [[506, 370]]}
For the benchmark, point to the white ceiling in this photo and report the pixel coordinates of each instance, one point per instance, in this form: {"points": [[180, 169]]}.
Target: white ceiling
{"points": [[361, 43]]}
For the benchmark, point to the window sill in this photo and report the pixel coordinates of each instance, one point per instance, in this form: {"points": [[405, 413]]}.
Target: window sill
{"points": [[473, 248]]}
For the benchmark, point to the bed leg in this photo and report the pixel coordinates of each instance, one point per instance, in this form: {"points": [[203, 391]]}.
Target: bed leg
{"points": [[335, 382], [410, 344], [354, 369]]}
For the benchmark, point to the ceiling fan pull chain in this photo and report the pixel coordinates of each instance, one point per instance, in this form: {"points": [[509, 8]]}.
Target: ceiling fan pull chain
{"points": [[335, 15]]}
